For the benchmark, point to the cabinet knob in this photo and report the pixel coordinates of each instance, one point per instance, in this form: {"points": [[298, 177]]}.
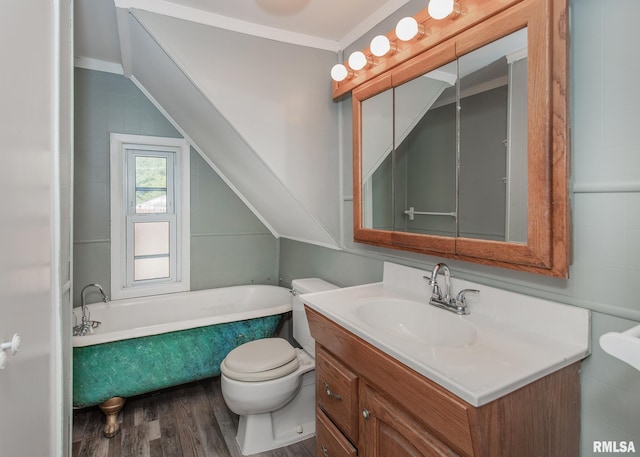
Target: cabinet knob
{"points": [[366, 413], [325, 452], [331, 394]]}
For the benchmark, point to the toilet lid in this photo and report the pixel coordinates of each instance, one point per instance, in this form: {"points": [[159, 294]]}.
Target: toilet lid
{"points": [[263, 359]]}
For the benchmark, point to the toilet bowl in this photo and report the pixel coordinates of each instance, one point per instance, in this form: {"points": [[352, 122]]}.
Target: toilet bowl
{"points": [[271, 385]]}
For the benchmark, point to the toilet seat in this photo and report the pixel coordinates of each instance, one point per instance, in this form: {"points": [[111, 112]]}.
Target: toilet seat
{"points": [[260, 360]]}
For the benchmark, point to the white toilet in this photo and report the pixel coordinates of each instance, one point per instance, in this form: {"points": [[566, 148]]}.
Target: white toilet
{"points": [[271, 385]]}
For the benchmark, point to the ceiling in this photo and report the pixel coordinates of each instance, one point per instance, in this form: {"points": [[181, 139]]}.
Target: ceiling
{"points": [[326, 24]]}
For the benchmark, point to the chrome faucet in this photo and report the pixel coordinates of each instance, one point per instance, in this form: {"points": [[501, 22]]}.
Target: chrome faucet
{"points": [[86, 324], [443, 299], [436, 291]]}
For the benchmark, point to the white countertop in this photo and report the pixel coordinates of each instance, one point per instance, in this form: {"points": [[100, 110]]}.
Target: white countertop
{"points": [[518, 338]]}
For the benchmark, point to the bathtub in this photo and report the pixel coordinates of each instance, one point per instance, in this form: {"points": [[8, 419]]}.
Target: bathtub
{"points": [[146, 344]]}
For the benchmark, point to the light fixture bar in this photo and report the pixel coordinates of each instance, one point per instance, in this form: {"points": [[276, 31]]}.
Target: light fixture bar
{"points": [[407, 29]]}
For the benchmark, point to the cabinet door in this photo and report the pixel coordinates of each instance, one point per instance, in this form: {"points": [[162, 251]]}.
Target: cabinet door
{"points": [[387, 430]]}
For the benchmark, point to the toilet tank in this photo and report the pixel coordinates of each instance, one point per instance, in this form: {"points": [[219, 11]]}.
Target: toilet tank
{"points": [[301, 331]]}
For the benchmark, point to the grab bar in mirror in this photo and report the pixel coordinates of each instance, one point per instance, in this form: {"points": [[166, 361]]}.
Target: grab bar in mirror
{"points": [[411, 212]]}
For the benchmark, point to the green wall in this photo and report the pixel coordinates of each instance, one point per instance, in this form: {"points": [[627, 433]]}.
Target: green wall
{"points": [[229, 244]]}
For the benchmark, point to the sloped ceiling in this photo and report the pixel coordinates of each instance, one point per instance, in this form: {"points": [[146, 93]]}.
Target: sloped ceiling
{"points": [[177, 85], [246, 82]]}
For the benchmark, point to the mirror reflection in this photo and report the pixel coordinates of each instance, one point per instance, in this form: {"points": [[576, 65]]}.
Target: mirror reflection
{"points": [[446, 153]]}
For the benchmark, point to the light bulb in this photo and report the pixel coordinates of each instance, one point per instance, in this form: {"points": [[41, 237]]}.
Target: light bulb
{"points": [[407, 28], [439, 9], [339, 72], [380, 45], [357, 60]]}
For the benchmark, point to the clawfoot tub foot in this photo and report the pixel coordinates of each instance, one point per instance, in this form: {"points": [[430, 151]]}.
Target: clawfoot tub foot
{"points": [[111, 408]]}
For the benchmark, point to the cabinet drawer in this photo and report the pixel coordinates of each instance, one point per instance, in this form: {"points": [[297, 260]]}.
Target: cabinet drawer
{"points": [[337, 393], [329, 441]]}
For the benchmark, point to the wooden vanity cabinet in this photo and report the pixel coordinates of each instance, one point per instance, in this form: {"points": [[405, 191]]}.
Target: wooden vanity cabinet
{"points": [[371, 405]]}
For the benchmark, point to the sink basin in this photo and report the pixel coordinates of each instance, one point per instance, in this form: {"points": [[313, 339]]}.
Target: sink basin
{"points": [[417, 322]]}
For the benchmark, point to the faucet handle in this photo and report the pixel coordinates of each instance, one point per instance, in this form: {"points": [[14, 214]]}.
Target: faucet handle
{"points": [[461, 303], [461, 296]]}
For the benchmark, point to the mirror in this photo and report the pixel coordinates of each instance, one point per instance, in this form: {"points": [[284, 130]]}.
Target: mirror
{"points": [[412, 142], [492, 104], [454, 148], [409, 155]]}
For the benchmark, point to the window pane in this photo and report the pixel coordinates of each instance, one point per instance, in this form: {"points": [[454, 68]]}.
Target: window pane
{"points": [[151, 250], [151, 201], [150, 238], [151, 268], [151, 184]]}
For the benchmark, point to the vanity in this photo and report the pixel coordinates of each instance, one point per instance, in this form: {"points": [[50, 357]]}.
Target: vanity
{"points": [[421, 381]]}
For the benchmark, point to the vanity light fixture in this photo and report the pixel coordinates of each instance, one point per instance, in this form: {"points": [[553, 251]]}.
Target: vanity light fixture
{"points": [[339, 72], [440, 9], [408, 28], [380, 45], [358, 61]]}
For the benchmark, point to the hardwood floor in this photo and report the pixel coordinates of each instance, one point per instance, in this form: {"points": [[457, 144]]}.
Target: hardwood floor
{"points": [[186, 421]]}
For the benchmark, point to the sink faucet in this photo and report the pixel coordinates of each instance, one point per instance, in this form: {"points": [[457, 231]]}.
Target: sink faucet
{"points": [[443, 299], [86, 324], [436, 291]]}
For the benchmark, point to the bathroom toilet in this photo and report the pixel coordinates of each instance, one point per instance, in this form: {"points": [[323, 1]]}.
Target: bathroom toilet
{"points": [[271, 385]]}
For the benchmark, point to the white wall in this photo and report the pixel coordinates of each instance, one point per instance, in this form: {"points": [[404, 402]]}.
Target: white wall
{"points": [[276, 96], [35, 125]]}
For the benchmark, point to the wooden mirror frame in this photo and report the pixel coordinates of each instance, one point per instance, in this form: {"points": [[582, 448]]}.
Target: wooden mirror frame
{"points": [[547, 249]]}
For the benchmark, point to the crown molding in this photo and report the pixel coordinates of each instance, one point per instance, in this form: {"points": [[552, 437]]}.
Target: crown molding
{"points": [[236, 25]]}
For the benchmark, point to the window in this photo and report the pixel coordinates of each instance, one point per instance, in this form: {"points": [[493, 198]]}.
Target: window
{"points": [[149, 215]]}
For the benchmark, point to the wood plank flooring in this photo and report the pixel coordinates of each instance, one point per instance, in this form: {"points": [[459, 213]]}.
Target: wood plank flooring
{"points": [[186, 421]]}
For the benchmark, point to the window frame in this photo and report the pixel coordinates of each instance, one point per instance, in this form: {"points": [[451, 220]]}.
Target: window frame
{"points": [[122, 283]]}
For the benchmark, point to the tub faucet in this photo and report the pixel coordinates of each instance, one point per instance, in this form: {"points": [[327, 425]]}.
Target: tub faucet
{"points": [[443, 299], [86, 324]]}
